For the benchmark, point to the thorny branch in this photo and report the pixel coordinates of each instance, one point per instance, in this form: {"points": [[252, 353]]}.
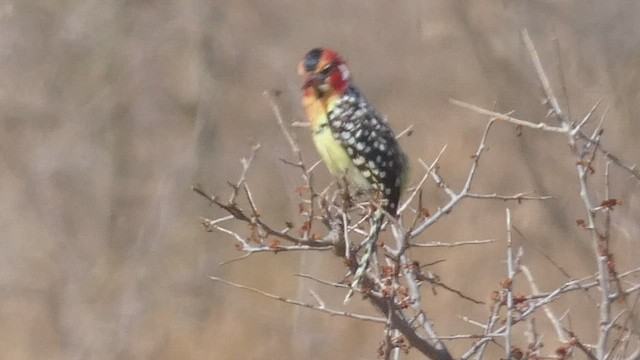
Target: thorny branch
{"points": [[321, 308], [599, 237], [511, 273], [394, 281]]}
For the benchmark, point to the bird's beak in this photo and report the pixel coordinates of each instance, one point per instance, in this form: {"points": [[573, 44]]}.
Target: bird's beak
{"points": [[310, 81]]}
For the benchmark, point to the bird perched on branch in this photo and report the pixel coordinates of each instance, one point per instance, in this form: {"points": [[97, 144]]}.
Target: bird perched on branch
{"points": [[352, 138], [354, 141]]}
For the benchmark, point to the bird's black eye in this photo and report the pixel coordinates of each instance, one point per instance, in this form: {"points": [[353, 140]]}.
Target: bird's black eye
{"points": [[326, 70]]}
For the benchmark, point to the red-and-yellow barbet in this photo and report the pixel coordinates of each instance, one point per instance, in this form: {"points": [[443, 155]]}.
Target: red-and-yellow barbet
{"points": [[354, 141]]}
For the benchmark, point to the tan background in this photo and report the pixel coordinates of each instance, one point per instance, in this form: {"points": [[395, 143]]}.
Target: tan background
{"points": [[110, 110]]}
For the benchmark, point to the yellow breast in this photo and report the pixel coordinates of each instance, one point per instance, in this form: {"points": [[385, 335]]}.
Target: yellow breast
{"points": [[332, 152], [336, 157]]}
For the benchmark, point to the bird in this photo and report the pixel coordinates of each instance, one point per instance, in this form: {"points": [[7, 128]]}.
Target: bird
{"points": [[352, 138], [354, 141]]}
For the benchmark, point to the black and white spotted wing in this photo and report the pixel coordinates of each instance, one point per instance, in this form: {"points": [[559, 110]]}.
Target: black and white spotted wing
{"points": [[371, 145]]}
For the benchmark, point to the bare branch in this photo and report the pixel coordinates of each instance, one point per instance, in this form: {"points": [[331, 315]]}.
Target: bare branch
{"points": [[470, 336], [324, 282], [555, 106], [507, 118], [463, 193], [435, 280], [544, 80], [517, 197], [584, 121], [602, 256], [392, 280], [422, 181], [547, 310], [239, 258], [632, 169], [246, 163], [532, 337], [453, 244], [406, 132], [287, 134], [239, 214], [479, 347], [274, 248], [302, 304], [473, 322], [318, 299], [422, 317], [632, 289], [511, 272], [400, 322], [301, 124], [209, 224]]}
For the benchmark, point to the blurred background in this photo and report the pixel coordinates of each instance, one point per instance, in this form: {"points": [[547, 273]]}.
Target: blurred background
{"points": [[111, 110]]}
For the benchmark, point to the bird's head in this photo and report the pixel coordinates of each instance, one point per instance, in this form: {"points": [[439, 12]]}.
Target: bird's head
{"points": [[324, 73]]}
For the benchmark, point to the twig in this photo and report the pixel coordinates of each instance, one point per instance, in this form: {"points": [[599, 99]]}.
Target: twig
{"points": [[573, 285], [301, 124], [244, 244], [388, 341], [480, 346], [238, 214], [435, 281], [306, 173], [584, 121], [453, 244], [246, 163], [422, 181], [632, 289], [302, 304], [544, 80], [556, 42], [414, 291], [555, 106], [532, 337], [324, 282], [470, 336], [543, 253], [462, 194], [507, 118], [601, 257], [318, 299], [242, 257], [632, 169], [276, 111], [408, 131], [547, 310], [473, 322], [429, 347], [511, 272], [601, 252], [442, 184], [517, 197], [208, 223]]}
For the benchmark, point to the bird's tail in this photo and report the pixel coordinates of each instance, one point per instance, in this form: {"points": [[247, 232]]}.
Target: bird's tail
{"points": [[370, 248]]}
